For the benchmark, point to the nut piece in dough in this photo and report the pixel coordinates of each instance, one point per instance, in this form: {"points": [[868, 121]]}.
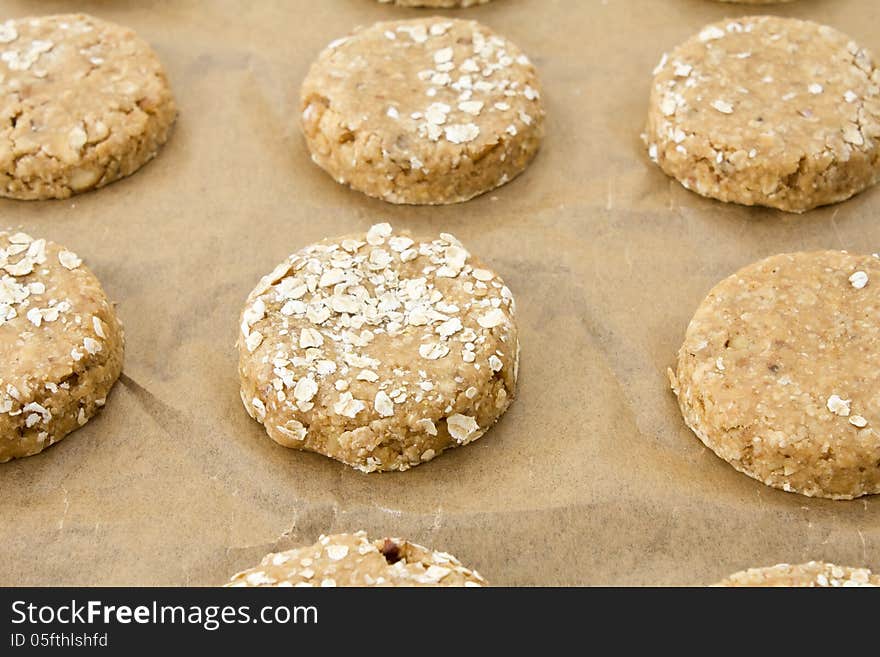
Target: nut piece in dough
{"points": [[60, 344], [378, 350], [426, 111], [355, 560], [83, 103], [768, 111], [778, 373], [809, 575]]}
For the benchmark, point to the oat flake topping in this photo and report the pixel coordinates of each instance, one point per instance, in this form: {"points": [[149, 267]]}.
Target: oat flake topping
{"points": [[778, 373], [84, 102], [813, 575], [378, 349]]}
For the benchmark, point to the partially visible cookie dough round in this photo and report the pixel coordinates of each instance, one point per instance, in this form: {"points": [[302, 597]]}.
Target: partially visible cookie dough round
{"points": [[768, 111], [354, 560], [426, 111], [378, 350], [809, 575], [439, 4], [757, 2], [778, 373], [60, 344], [83, 102]]}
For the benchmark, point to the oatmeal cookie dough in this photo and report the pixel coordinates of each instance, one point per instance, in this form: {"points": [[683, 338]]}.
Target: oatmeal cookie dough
{"points": [[354, 560], [83, 102], [778, 373], [60, 344], [426, 111], [439, 4], [378, 350], [768, 111], [809, 575]]}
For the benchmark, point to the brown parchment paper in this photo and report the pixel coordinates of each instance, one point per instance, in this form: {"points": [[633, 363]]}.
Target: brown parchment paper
{"points": [[590, 478]]}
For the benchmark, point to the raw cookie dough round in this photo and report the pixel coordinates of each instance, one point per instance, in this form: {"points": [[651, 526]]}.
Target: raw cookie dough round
{"points": [[778, 373], [354, 560], [83, 102], [60, 345], [439, 4], [768, 111], [379, 351], [809, 575], [757, 2], [426, 111]]}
